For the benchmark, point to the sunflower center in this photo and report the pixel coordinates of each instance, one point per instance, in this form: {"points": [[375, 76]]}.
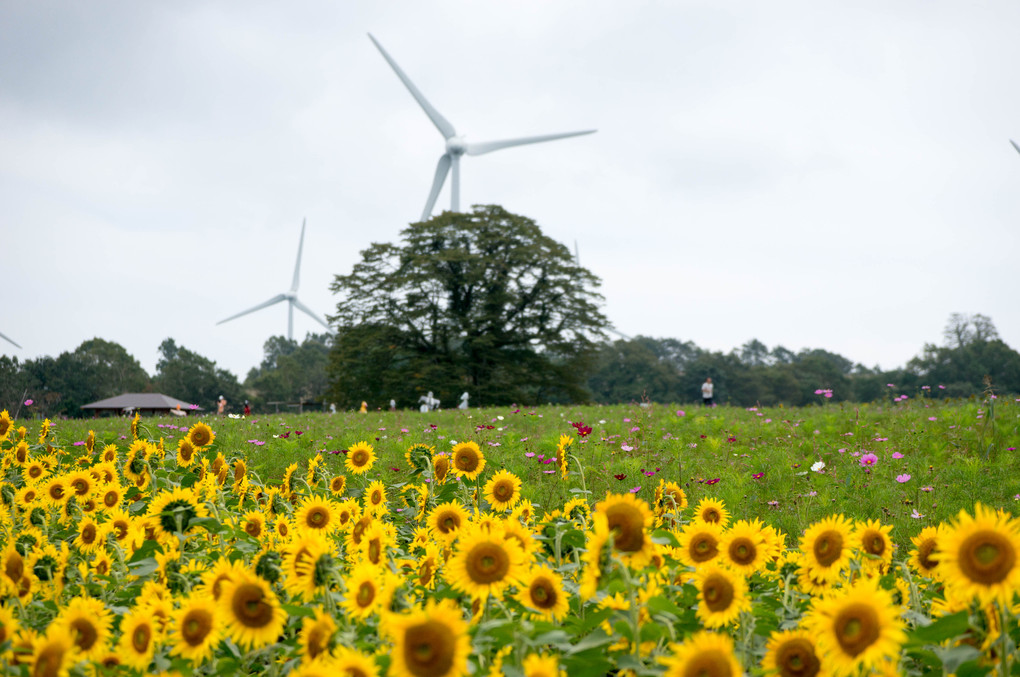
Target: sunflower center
{"points": [[14, 567], [196, 627], [718, 592], [111, 499], [88, 534], [543, 594], [857, 628], [466, 461], [56, 492], [199, 437], [448, 523], [425, 573], [85, 633], [874, 544], [924, 552], [81, 486], [429, 649], [250, 606], [709, 663], [317, 517], [366, 593], [376, 498], [796, 658], [253, 528], [140, 638], [711, 515], [987, 557], [35, 471], [442, 466], [828, 547], [318, 640], [704, 547], [503, 491], [374, 550], [627, 524], [487, 563], [359, 458], [50, 660], [743, 551]]}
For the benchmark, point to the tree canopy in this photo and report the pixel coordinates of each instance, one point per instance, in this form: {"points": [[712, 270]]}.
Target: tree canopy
{"points": [[291, 372], [482, 302]]}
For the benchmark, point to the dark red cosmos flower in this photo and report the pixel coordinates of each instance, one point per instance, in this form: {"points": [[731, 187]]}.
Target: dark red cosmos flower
{"points": [[298, 432], [621, 476], [758, 476], [712, 481], [731, 438], [582, 429]]}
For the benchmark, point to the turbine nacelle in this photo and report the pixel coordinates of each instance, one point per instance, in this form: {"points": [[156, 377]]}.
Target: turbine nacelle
{"points": [[456, 145]]}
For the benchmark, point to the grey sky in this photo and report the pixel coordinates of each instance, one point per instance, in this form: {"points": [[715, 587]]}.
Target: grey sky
{"points": [[806, 174]]}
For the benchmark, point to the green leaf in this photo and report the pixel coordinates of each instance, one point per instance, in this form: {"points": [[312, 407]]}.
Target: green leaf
{"points": [[973, 668], [148, 549], [210, 524], [143, 567], [596, 639], [296, 610], [944, 628]]}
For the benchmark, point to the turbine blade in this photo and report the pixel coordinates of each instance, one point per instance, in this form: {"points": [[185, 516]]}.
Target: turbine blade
{"points": [[441, 123], [8, 339], [1014, 145], [297, 266], [275, 299], [309, 312], [437, 185], [489, 146]]}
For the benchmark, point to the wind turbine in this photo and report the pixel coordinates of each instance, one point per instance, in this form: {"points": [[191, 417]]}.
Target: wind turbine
{"points": [[1014, 145], [9, 340], [290, 297], [457, 145]]}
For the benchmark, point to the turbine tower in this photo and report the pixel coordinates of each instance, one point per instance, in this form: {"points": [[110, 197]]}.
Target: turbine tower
{"points": [[290, 297], [457, 145], [9, 340], [1014, 145]]}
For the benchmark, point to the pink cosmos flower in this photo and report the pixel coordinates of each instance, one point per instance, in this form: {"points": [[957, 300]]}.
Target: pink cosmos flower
{"points": [[635, 490], [680, 412], [903, 478], [626, 447], [868, 459], [916, 515], [897, 455], [28, 403]]}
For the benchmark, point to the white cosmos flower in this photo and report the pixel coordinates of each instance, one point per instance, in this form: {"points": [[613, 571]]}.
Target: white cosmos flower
{"points": [[818, 466]]}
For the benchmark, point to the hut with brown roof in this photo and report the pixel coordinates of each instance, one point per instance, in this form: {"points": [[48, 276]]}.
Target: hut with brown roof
{"points": [[145, 403]]}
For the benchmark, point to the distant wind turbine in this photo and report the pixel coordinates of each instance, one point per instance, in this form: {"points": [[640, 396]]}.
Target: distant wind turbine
{"points": [[1014, 145], [9, 340], [457, 145], [290, 297]]}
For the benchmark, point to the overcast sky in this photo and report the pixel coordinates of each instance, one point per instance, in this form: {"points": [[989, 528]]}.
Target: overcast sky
{"points": [[806, 174]]}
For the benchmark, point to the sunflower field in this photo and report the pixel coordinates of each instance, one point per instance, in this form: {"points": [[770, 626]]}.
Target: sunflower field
{"points": [[474, 545]]}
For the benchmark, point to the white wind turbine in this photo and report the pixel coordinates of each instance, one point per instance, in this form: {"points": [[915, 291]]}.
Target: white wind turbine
{"points": [[457, 145], [290, 297], [9, 340], [1014, 145]]}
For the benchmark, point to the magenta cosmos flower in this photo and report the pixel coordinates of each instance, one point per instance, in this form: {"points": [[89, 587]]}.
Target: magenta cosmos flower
{"points": [[869, 459]]}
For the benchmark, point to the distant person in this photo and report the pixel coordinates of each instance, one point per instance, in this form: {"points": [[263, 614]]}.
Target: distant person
{"points": [[247, 408], [393, 405], [706, 392], [221, 406], [332, 407], [364, 408]]}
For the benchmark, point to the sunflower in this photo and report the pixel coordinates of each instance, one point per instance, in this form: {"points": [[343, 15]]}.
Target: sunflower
{"points": [[792, 653], [446, 519], [417, 455], [524, 536], [826, 547], [485, 563], [33, 471], [536, 665], [88, 622], [375, 498], [55, 490], [25, 496], [743, 547], [712, 511], [366, 591], [110, 497], [318, 514], [175, 511], [562, 449], [185, 452], [360, 458], [429, 642], [109, 454], [503, 490], [250, 611], [856, 629], [91, 535], [669, 497], [875, 544], [628, 519], [306, 562], [979, 557], [194, 629], [347, 513], [53, 655], [20, 455], [428, 566], [441, 466], [201, 436], [542, 591], [221, 572], [722, 595], [923, 557], [9, 627], [253, 523], [81, 483], [317, 634], [374, 543], [596, 558], [44, 430], [699, 542], [337, 485], [352, 663], [120, 524], [102, 564], [138, 636], [704, 654], [468, 461], [6, 425]]}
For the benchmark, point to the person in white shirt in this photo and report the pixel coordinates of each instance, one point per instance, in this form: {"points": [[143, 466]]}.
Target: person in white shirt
{"points": [[706, 392]]}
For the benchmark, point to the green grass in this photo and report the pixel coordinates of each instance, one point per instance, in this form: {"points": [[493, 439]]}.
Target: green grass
{"points": [[967, 454]]}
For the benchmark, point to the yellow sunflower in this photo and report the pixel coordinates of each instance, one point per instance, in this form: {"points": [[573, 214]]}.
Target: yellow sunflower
{"points": [[6, 425], [468, 460], [629, 520], [337, 485], [138, 636], [175, 510], [54, 654], [91, 535], [700, 542], [536, 665], [347, 513], [88, 622], [503, 490], [712, 511], [110, 497], [317, 514], [722, 595], [317, 635], [201, 436], [360, 458], [670, 497], [875, 544], [597, 557], [923, 557], [352, 663], [417, 455], [562, 450], [251, 613], [979, 556], [792, 653], [222, 571], [375, 498], [55, 490], [109, 454], [301, 560], [366, 591], [9, 627], [743, 547], [253, 523], [194, 629], [433, 641], [827, 547], [428, 565], [704, 654], [856, 628], [375, 543], [34, 470], [446, 519], [485, 563], [441, 466], [542, 590]]}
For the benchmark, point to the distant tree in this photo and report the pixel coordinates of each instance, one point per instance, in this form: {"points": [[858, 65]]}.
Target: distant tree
{"points": [[14, 383], [635, 369], [113, 369], [963, 329], [479, 301], [780, 355], [292, 372], [972, 354], [193, 378], [754, 353]]}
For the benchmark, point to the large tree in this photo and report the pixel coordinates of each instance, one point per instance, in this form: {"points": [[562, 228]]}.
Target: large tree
{"points": [[291, 372], [480, 302], [193, 378]]}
